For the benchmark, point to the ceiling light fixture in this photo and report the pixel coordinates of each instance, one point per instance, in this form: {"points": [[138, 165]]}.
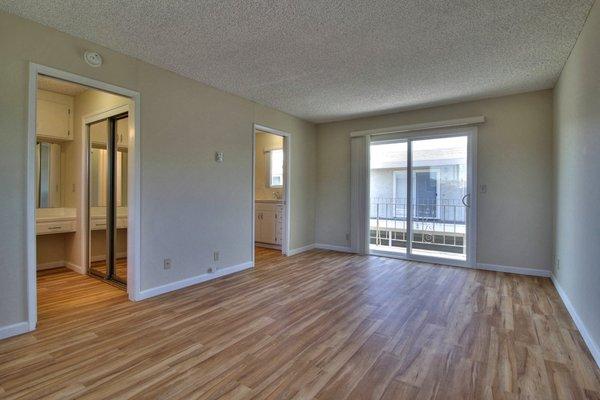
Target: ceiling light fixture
{"points": [[92, 58]]}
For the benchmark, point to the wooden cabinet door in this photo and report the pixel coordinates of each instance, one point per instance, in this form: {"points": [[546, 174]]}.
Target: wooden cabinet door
{"points": [[122, 132], [257, 227], [53, 120], [278, 226], [99, 134], [268, 227]]}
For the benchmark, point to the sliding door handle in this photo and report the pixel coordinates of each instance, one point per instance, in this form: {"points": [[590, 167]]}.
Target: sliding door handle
{"points": [[468, 198]]}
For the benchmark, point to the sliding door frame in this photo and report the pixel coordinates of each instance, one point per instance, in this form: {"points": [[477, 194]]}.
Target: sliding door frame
{"points": [[110, 114], [471, 215]]}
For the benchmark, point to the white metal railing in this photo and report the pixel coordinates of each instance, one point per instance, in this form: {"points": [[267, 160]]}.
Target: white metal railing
{"points": [[438, 226]]}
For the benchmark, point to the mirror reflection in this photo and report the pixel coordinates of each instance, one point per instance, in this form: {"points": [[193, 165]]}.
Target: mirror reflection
{"points": [[99, 167], [47, 174]]}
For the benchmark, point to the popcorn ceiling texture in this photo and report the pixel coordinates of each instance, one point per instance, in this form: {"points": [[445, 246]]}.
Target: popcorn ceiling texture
{"points": [[325, 60]]}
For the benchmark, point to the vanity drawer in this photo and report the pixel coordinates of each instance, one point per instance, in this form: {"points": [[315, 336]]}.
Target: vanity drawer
{"points": [[45, 228], [98, 224]]}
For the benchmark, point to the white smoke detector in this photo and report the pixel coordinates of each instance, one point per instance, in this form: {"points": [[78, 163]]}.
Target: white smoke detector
{"points": [[92, 59]]}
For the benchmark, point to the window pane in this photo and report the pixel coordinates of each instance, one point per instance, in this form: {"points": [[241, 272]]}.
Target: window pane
{"points": [[426, 195], [439, 184], [276, 164]]}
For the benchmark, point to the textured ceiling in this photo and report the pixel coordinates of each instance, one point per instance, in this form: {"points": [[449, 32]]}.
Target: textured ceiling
{"points": [[325, 60]]}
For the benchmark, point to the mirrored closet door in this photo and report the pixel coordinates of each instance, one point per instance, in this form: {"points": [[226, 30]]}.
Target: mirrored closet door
{"points": [[107, 196]]}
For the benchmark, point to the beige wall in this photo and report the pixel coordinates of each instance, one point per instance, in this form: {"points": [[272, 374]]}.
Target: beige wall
{"points": [[51, 249], [514, 161], [191, 205], [265, 141], [577, 177]]}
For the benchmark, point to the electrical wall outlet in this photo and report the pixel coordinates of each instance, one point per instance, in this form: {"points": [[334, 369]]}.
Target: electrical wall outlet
{"points": [[167, 263], [557, 263], [216, 256]]}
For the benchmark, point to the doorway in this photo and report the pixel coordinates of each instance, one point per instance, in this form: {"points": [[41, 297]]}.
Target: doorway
{"points": [[62, 108], [421, 201], [270, 190]]}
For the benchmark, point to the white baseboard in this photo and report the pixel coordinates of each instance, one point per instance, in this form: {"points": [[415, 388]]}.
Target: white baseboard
{"points": [[62, 263], [14, 329], [515, 270], [302, 249], [76, 268], [267, 246], [343, 249], [592, 345], [50, 265], [169, 287]]}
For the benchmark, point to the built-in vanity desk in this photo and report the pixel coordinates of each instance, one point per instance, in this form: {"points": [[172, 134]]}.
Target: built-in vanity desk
{"points": [[55, 220], [268, 222]]}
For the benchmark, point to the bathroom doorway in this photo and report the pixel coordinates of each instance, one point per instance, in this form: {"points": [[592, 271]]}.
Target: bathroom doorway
{"points": [[270, 191]]}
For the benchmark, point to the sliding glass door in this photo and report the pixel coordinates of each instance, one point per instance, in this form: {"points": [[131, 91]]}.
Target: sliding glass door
{"points": [[421, 204]]}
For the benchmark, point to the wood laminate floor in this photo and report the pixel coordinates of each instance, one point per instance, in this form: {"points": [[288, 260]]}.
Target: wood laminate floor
{"points": [[120, 268], [319, 325]]}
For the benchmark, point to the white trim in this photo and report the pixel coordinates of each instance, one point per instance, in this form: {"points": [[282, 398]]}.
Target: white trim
{"points": [[15, 329], [51, 265], [169, 287], [30, 204], [593, 347], [287, 178], [302, 249], [59, 264], [267, 246], [341, 249], [76, 268], [134, 227], [422, 126], [421, 258], [514, 270], [471, 216]]}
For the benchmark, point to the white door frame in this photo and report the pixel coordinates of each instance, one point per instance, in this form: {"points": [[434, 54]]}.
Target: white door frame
{"points": [[285, 245], [134, 168], [471, 215]]}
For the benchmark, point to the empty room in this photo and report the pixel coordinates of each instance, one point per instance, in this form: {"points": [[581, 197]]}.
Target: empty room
{"points": [[300, 199]]}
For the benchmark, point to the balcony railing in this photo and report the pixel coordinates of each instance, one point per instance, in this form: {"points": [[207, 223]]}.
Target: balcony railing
{"points": [[436, 227]]}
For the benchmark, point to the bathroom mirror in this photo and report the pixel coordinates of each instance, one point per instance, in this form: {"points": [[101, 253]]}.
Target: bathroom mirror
{"points": [[47, 175]]}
